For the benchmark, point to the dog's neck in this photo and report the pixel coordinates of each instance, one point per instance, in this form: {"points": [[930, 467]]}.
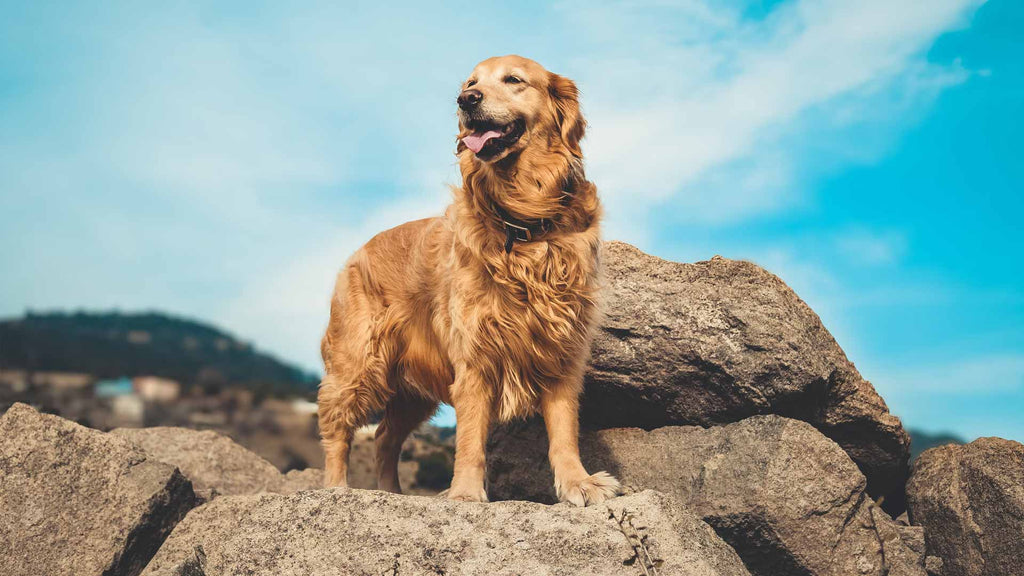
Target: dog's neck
{"points": [[536, 196]]}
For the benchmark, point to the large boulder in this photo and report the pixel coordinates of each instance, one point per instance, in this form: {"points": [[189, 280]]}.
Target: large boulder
{"points": [[350, 531], [788, 499], [214, 463], [970, 500], [77, 501], [722, 340]]}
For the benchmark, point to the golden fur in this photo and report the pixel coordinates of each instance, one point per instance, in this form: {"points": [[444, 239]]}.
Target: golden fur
{"points": [[436, 311]]}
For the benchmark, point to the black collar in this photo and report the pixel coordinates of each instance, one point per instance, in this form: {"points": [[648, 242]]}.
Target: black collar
{"points": [[516, 229], [525, 231]]}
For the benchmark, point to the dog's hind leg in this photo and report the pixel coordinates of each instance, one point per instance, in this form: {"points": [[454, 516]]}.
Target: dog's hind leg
{"points": [[339, 416], [346, 403], [403, 414], [359, 351]]}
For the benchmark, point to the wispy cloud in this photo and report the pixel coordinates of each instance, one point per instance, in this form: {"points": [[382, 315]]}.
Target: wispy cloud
{"points": [[718, 106], [870, 248]]}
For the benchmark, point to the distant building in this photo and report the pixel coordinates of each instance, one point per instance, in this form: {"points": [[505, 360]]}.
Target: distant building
{"points": [[304, 406], [14, 380], [18, 380], [155, 389], [127, 410], [114, 388]]}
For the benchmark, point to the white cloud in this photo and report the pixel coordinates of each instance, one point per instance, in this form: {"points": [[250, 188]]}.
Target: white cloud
{"points": [[710, 117]]}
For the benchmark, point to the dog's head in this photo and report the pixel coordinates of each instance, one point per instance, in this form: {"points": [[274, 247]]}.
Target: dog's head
{"points": [[509, 103]]}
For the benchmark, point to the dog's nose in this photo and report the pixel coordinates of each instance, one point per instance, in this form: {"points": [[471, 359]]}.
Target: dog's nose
{"points": [[469, 99]]}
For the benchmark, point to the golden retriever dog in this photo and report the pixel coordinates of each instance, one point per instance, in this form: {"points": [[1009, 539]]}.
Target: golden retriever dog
{"points": [[489, 308]]}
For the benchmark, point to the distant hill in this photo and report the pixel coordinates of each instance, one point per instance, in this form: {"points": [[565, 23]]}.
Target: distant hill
{"points": [[111, 345], [921, 441]]}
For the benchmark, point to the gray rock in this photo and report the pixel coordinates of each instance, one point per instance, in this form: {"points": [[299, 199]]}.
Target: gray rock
{"points": [[298, 480], [718, 341], [75, 501], [913, 537], [902, 546], [788, 499], [970, 501], [215, 464], [349, 531]]}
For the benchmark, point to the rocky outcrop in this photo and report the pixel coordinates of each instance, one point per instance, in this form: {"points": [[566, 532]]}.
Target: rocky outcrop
{"points": [[719, 341], [344, 531], [777, 479], [77, 501], [788, 499], [970, 501], [214, 463]]}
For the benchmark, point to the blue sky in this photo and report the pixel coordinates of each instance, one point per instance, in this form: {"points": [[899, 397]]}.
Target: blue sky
{"points": [[221, 161]]}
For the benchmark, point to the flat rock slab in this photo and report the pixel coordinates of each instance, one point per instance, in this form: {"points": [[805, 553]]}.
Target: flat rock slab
{"points": [[970, 501], [718, 341], [356, 532], [788, 499], [78, 502], [216, 464]]}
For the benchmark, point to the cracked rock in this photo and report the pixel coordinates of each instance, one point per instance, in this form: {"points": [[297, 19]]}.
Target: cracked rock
{"points": [[718, 341], [349, 531], [76, 501], [788, 499], [215, 464]]}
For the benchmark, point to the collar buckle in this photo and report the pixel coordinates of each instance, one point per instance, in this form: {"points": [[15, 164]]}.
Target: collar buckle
{"points": [[515, 230], [519, 230]]}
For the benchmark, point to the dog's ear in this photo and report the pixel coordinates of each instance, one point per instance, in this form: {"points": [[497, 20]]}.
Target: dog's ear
{"points": [[571, 124]]}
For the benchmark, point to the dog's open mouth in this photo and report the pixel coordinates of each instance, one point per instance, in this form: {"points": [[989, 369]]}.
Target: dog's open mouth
{"points": [[488, 138]]}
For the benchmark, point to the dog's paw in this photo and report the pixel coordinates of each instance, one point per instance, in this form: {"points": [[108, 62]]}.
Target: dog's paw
{"points": [[592, 489], [465, 494]]}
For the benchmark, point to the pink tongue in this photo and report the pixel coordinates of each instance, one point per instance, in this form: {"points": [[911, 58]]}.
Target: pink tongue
{"points": [[476, 141]]}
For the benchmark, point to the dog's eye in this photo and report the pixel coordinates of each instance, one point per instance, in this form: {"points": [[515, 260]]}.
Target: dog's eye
{"points": [[471, 83], [513, 79]]}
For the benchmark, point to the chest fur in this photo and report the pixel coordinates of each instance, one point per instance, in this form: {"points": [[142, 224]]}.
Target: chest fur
{"points": [[526, 323]]}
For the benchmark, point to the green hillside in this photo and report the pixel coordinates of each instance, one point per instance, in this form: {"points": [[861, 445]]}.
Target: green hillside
{"points": [[111, 345]]}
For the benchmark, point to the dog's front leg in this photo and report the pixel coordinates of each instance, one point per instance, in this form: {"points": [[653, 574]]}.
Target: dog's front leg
{"points": [[560, 408], [473, 403]]}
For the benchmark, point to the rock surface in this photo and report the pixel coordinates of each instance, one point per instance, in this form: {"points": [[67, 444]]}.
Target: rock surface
{"points": [[718, 341], [788, 499], [298, 480], [970, 500], [75, 501], [347, 531], [214, 463]]}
